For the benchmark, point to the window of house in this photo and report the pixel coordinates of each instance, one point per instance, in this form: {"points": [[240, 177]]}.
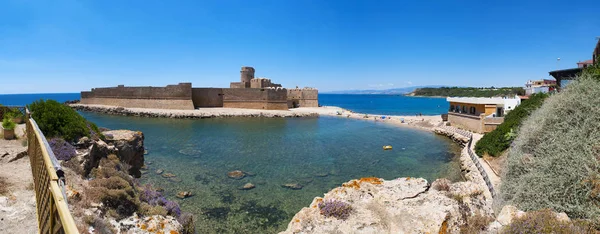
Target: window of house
{"points": [[464, 110], [451, 107], [472, 110]]}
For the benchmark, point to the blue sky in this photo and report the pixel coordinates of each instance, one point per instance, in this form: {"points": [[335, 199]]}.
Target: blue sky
{"points": [[70, 46]]}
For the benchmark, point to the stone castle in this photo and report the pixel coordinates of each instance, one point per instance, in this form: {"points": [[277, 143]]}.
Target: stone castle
{"points": [[249, 93]]}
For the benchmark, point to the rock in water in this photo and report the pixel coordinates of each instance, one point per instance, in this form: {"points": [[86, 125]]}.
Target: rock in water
{"points": [[159, 171], [248, 186], [237, 174], [184, 194], [294, 186], [168, 175]]}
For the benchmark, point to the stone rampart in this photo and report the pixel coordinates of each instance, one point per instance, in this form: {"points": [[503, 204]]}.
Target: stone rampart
{"points": [[306, 97], [170, 97], [207, 97], [268, 99]]}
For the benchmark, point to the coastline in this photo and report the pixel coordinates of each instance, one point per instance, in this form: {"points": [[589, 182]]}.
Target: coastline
{"points": [[425, 122], [430, 123]]}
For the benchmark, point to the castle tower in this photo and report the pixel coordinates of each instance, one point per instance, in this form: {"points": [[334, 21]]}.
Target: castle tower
{"points": [[246, 74]]}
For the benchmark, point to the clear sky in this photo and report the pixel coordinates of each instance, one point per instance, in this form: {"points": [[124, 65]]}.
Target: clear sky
{"points": [[70, 46]]}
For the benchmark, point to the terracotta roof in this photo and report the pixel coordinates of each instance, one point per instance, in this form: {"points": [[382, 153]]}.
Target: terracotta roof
{"points": [[587, 62]]}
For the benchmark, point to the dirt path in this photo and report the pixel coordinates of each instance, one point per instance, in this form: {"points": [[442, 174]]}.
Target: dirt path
{"points": [[17, 198]]}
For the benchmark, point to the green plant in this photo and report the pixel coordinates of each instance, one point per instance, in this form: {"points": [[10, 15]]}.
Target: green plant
{"points": [[554, 161], [497, 141], [7, 122], [56, 119]]}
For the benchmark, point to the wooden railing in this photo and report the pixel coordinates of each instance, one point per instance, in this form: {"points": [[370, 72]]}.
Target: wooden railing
{"points": [[4, 109], [52, 209]]}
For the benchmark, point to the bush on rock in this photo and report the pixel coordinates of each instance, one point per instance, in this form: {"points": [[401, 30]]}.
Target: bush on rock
{"points": [[58, 120]]}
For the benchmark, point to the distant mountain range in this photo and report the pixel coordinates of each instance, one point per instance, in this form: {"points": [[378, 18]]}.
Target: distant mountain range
{"points": [[396, 91]]}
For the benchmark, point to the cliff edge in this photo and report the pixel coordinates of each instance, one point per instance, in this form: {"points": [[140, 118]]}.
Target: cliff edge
{"points": [[403, 205]]}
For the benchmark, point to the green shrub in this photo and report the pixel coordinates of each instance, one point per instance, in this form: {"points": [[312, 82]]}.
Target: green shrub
{"points": [[7, 122], [56, 119], [495, 142], [554, 161]]}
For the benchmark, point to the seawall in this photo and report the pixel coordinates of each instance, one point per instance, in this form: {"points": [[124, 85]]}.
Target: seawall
{"points": [[193, 114]]}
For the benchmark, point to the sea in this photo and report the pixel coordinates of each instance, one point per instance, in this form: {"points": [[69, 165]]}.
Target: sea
{"points": [[318, 153], [360, 103]]}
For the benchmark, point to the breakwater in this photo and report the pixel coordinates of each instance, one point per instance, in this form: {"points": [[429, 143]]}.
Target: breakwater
{"points": [[192, 114]]}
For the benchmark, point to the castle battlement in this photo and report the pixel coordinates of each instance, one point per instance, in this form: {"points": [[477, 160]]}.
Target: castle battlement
{"points": [[250, 93]]}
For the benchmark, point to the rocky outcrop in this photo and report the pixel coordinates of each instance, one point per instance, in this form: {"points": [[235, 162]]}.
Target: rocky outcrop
{"points": [[403, 205], [130, 148], [510, 213], [98, 150], [127, 145], [152, 224]]}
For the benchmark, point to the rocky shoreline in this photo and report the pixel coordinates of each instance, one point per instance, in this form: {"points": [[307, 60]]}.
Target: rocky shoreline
{"points": [[407, 205], [191, 114]]}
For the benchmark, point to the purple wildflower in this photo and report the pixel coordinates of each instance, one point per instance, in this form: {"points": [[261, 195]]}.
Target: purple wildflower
{"points": [[150, 195], [62, 149], [155, 198], [335, 208], [173, 208]]}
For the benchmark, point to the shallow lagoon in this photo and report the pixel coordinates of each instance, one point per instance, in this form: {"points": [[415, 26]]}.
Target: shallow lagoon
{"points": [[318, 153]]}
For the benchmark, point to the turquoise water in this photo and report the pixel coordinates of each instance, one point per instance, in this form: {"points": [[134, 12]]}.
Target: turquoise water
{"points": [[386, 104], [318, 153]]}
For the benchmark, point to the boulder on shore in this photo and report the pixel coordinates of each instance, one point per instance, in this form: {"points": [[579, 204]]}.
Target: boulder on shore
{"points": [[403, 205]]}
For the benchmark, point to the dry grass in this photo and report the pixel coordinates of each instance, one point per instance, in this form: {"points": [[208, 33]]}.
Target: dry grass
{"points": [[442, 184], [545, 221], [476, 224]]}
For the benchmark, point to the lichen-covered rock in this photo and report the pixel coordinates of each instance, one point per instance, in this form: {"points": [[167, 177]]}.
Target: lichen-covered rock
{"points": [[130, 146], [152, 224], [403, 205]]}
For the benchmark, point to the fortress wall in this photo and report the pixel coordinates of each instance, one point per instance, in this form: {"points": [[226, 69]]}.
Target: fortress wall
{"points": [[170, 97], [207, 97], [268, 99], [303, 97], [141, 103], [179, 91]]}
